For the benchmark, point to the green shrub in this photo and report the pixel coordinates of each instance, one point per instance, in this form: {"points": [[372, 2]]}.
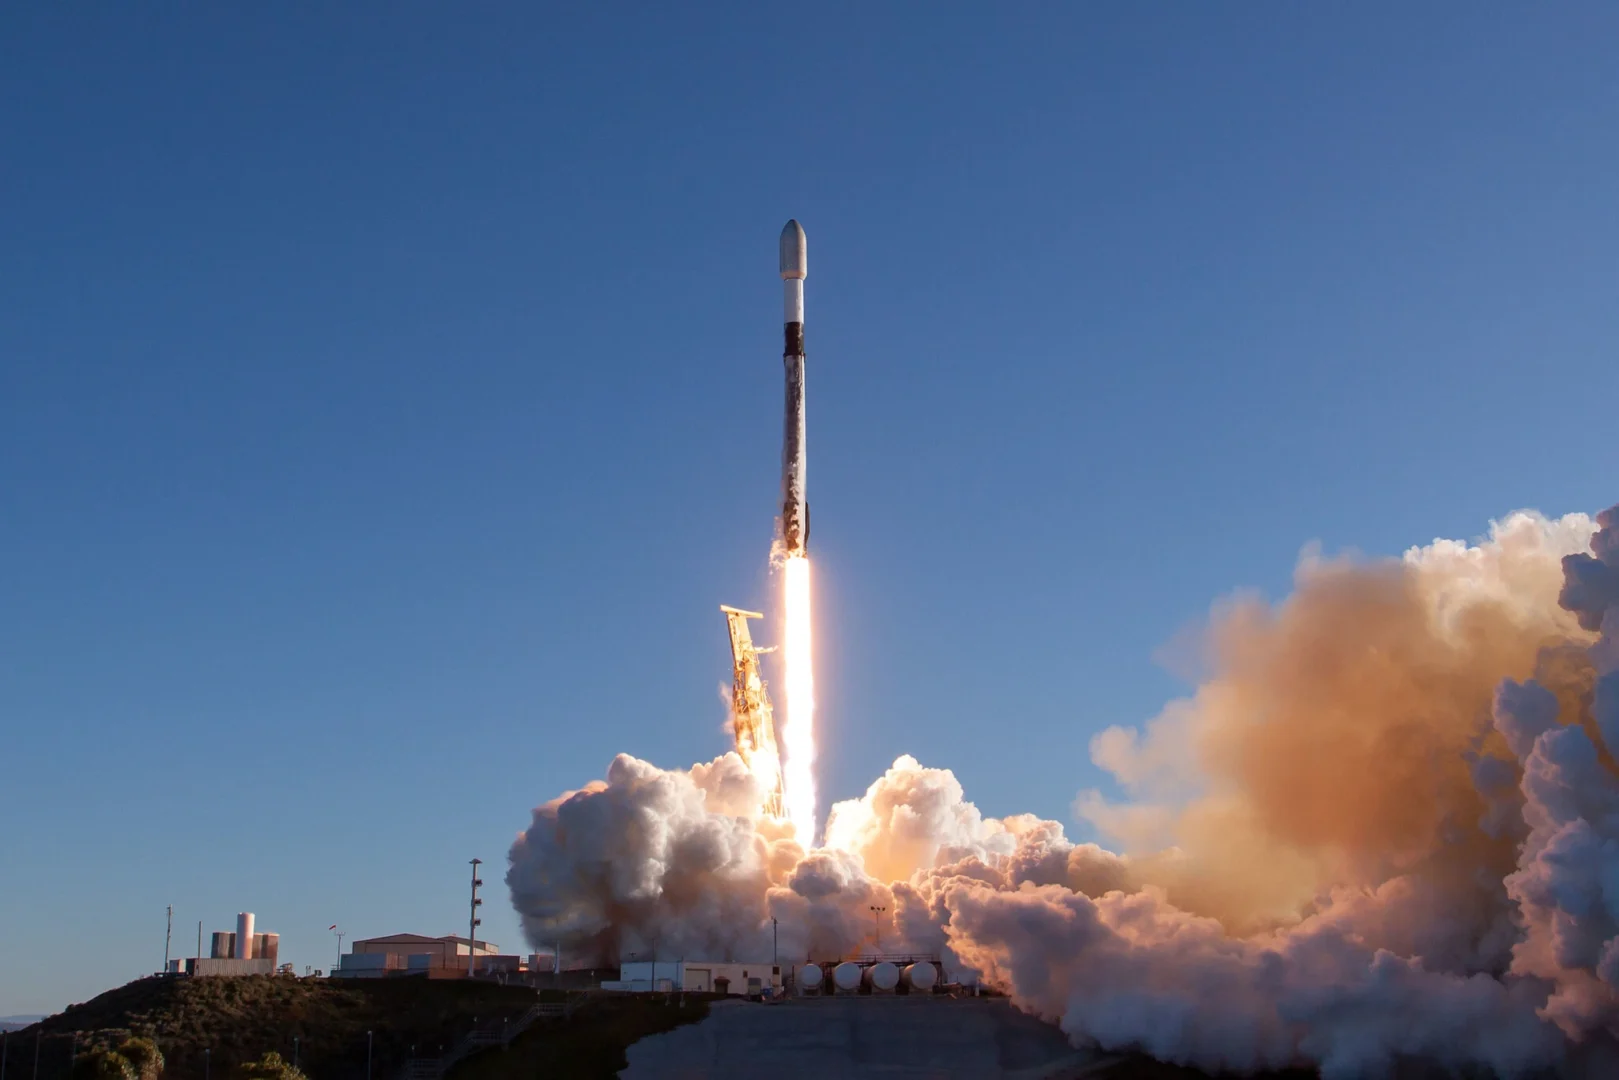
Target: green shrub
{"points": [[270, 1067], [144, 1056], [99, 1063]]}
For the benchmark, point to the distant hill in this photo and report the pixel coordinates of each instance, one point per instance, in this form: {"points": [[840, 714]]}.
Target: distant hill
{"points": [[235, 1020], [17, 1023]]}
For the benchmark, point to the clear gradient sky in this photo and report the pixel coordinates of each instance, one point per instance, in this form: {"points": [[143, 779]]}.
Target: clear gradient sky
{"points": [[389, 396]]}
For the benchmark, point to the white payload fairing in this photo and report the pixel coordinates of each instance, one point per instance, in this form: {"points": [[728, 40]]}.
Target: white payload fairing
{"points": [[794, 459]]}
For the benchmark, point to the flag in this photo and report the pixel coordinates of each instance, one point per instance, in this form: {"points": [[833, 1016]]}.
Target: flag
{"points": [[332, 927]]}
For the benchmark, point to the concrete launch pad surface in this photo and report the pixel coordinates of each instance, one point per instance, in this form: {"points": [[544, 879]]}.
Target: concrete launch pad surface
{"points": [[859, 1037]]}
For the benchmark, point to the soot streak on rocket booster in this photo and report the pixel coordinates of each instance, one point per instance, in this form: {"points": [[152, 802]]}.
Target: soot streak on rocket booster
{"points": [[794, 457]]}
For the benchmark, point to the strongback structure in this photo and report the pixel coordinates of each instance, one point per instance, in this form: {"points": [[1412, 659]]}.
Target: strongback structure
{"points": [[751, 717]]}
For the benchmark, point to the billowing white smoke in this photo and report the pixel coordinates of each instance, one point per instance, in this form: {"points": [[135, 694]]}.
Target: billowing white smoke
{"points": [[1566, 887], [1385, 827]]}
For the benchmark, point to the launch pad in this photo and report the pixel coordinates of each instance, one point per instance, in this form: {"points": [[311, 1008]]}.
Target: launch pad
{"points": [[884, 1036]]}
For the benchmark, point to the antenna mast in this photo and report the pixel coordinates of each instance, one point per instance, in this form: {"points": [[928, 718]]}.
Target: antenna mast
{"points": [[475, 922]]}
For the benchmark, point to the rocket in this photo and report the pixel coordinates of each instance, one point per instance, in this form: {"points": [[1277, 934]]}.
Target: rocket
{"points": [[794, 457]]}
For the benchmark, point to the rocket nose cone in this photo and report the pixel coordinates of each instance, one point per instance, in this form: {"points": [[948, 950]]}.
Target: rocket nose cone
{"points": [[794, 257]]}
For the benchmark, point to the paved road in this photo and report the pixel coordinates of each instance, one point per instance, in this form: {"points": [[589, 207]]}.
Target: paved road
{"points": [[860, 1037]]}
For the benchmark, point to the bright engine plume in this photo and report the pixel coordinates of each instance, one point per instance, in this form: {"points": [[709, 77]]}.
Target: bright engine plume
{"points": [[798, 732]]}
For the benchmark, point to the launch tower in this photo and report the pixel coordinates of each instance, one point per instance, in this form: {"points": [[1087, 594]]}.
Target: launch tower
{"points": [[751, 718]]}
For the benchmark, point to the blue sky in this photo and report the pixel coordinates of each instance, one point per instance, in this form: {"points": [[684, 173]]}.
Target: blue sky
{"points": [[388, 398]]}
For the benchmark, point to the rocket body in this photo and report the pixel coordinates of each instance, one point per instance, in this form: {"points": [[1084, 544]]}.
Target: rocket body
{"points": [[794, 456]]}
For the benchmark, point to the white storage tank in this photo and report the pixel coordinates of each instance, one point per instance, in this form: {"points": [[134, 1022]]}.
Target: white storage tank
{"points": [[846, 977], [810, 977], [882, 976], [921, 976], [244, 935]]}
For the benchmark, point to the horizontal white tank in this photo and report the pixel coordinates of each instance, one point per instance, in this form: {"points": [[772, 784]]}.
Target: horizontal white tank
{"points": [[921, 976], [882, 976], [810, 977], [846, 977]]}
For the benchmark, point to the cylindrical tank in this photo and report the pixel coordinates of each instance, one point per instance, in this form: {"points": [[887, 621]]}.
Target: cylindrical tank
{"points": [[244, 935], [882, 976], [846, 977], [921, 976], [810, 977]]}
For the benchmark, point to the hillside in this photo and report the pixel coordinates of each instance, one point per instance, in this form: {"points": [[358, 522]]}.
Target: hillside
{"points": [[237, 1020]]}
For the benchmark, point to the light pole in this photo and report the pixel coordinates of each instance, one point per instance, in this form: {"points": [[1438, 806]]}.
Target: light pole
{"points": [[368, 1055], [877, 924], [207, 1062], [295, 1051], [340, 936], [474, 921]]}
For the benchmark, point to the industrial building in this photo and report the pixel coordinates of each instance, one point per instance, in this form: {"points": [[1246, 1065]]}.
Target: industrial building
{"points": [[702, 976], [243, 952], [445, 957]]}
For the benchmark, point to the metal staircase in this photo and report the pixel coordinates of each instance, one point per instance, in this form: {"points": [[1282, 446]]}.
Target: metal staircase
{"points": [[485, 1034]]}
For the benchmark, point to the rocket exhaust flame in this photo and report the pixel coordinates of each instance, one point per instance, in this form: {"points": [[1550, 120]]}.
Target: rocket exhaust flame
{"points": [[798, 731]]}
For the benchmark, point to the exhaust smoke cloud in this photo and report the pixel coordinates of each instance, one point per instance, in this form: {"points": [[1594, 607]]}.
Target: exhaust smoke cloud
{"points": [[1384, 827]]}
